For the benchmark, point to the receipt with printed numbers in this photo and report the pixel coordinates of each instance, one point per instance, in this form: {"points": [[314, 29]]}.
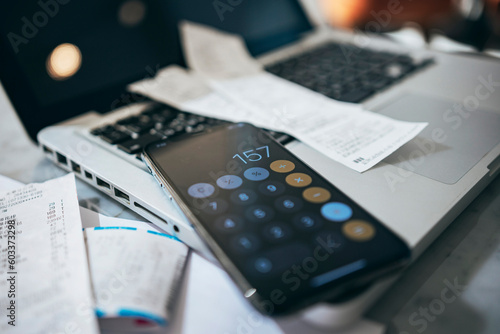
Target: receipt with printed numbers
{"points": [[44, 280], [344, 132]]}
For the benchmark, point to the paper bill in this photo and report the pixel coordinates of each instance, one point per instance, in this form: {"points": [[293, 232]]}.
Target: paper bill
{"points": [[44, 281], [342, 131]]}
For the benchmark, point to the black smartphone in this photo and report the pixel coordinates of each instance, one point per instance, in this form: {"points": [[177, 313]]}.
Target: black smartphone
{"points": [[285, 235]]}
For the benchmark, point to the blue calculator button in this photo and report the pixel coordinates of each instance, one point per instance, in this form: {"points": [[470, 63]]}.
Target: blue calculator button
{"points": [[244, 197], [201, 190], [256, 174], [335, 211], [229, 181]]}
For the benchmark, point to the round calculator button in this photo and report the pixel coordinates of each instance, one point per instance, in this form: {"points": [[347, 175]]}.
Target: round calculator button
{"points": [[229, 181], [244, 197], [215, 206], [358, 230], [201, 190], [259, 213], [335, 211], [316, 195], [229, 223], [307, 221], [263, 265], [272, 188], [277, 232], [298, 180], [288, 204], [256, 174], [245, 243], [282, 166]]}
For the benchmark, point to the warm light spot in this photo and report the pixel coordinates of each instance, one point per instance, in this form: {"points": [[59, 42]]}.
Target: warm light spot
{"points": [[131, 13], [64, 61]]}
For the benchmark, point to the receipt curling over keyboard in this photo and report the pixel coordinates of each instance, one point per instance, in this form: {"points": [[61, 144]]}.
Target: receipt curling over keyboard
{"points": [[345, 132], [44, 281]]}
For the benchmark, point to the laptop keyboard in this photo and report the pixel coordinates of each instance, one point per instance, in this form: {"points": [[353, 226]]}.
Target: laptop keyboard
{"points": [[352, 77], [159, 122]]}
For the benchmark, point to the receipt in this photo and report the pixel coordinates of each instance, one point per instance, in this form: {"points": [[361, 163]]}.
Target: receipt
{"points": [[44, 281], [342, 131], [135, 272], [189, 92]]}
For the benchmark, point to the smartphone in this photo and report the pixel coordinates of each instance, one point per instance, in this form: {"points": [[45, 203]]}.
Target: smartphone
{"points": [[286, 236]]}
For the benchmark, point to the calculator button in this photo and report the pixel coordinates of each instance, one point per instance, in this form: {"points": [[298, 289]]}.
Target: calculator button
{"points": [[335, 211], [358, 230], [307, 221], [277, 232], [229, 223], [215, 206], [256, 174], [288, 204], [282, 166], [229, 181], [244, 196], [298, 180], [245, 243], [316, 195], [263, 265], [201, 190], [272, 188], [259, 213]]}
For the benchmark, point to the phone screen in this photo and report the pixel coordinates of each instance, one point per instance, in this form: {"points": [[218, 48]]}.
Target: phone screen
{"points": [[286, 236]]}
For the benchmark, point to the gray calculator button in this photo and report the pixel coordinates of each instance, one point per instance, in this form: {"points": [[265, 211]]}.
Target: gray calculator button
{"points": [[244, 197], [277, 232], [288, 204], [229, 181], [256, 174], [307, 221], [259, 213], [229, 223], [201, 190], [215, 206], [245, 243], [263, 265], [272, 188]]}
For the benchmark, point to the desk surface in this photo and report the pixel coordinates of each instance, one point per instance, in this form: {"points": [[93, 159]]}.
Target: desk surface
{"points": [[453, 288]]}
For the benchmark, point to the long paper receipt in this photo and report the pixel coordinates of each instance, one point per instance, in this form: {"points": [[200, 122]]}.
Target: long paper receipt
{"points": [[135, 272], [342, 131], [44, 281]]}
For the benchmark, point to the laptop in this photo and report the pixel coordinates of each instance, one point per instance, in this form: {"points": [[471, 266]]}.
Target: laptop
{"points": [[65, 65]]}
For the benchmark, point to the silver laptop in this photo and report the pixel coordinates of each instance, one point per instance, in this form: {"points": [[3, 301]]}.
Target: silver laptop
{"points": [[65, 66]]}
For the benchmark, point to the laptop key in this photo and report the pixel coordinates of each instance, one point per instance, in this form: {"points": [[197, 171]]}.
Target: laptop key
{"points": [[356, 95], [135, 146], [113, 136]]}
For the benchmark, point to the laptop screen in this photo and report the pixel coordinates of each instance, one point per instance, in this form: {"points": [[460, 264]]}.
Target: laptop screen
{"points": [[61, 58]]}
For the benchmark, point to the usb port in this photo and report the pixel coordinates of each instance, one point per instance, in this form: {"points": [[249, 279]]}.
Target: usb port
{"points": [[122, 195], [102, 183], [61, 158], [47, 150], [76, 167]]}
